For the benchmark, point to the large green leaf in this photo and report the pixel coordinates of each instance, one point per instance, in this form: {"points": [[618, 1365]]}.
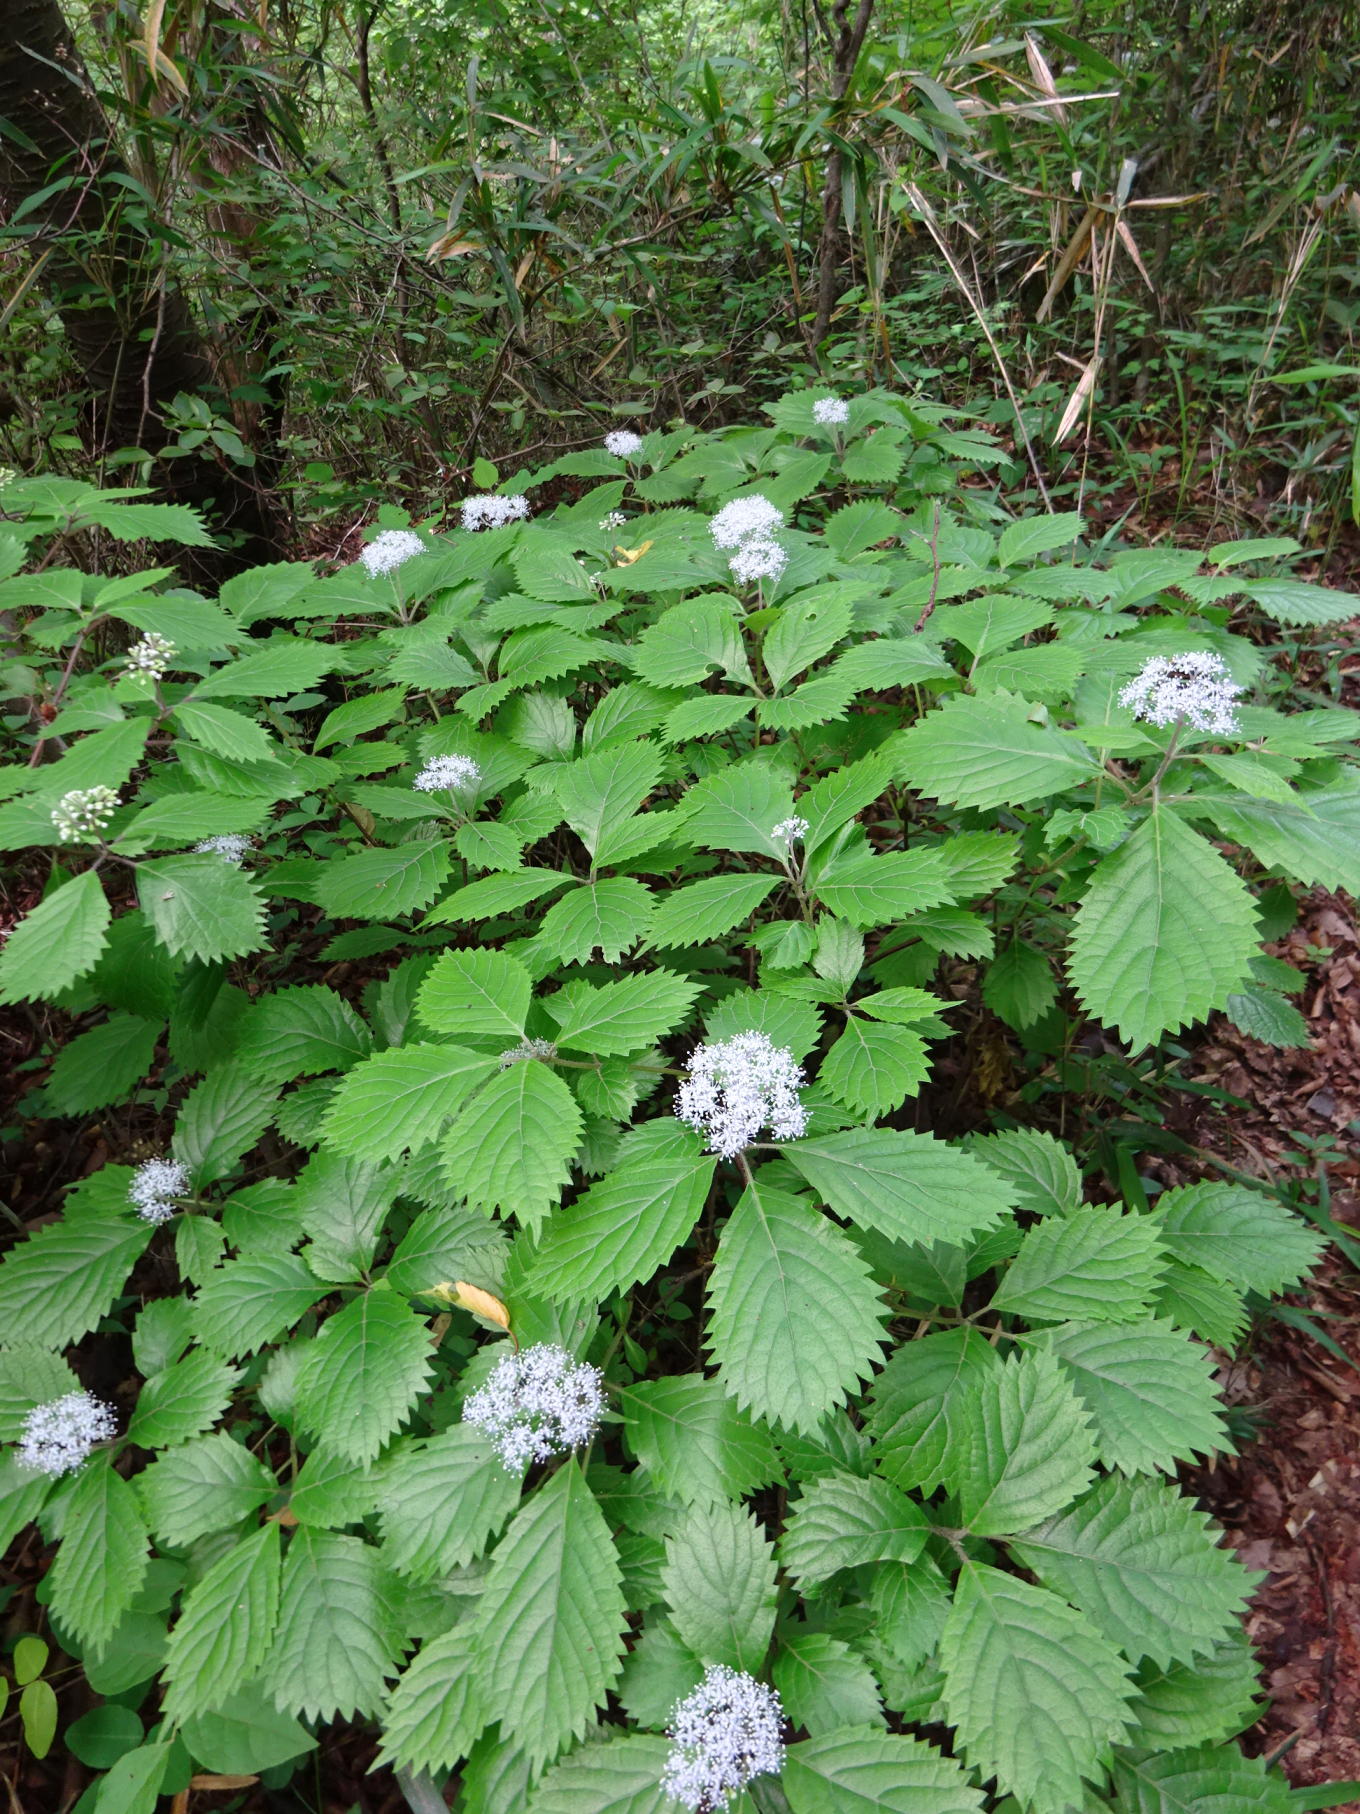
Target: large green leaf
{"points": [[861, 1770], [103, 1065], [225, 1627], [705, 910], [301, 1032], [824, 1684], [362, 1374], [60, 940], [201, 907], [692, 1439], [867, 890], [512, 1145], [910, 1187], [55, 1286], [1028, 1446], [435, 1712], [599, 793], [621, 1017], [924, 1404], [1095, 1263], [794, 1318], [1165, 934], [400, 1099], [872, 1069], [719, 1580], [1149, 1389], [620, 1776], [383, 884], [550, 1621], [205, 1485], [842, 1521], [609, 916], [1237, 1234], [989, 752], [1315, 838], [1207, 1780], [475, 992], [249, 1301], [221, 1119], [442, 1502], [104, 1550], [1037, 1696], [340, 1634], [183, 1401]]}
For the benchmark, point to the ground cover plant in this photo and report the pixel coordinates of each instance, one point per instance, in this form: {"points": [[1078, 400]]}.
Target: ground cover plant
{"points": [[564, 1349]]}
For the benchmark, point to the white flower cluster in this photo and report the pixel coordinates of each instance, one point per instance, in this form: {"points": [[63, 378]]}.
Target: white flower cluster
{"points": [[83, 813], [734, 1087], [1196, 687], [232, 846], [614, 520], [386, 552], [790, 830], [723, 1734], [537, 1403], [58, 1436], [447, 772], [151, 658], [493, 512], [155, 1184], [830, 412], [623, 442], [748, 525], [525, 1050]]}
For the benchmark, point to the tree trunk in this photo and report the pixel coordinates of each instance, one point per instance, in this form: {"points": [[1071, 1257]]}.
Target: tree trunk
{"points": [[831, 250], [131, 332]]}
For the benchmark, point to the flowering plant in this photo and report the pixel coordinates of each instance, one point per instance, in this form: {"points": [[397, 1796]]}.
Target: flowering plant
{"points": [[559, 1332]]}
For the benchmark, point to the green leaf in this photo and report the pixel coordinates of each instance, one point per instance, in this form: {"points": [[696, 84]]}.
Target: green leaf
{"points": [[842, 1521], [55, 1286], [301, 1032], [1041, 1170], [201, 907], [988, 752], [909, 1187], [29, 1376], [183, 1401], [221, 1119], [1208, 1780], [104, 1549], [400, 1099], [825, 1685], [443, 1500], [737, 808], [22, 1497], [245, 1735], [495, 894], [342, 1204], [861, 1770], [103, 1065], [688, 641], [1027, 537], [435, 1713], [225, 1627], [619, 1776], [205, 1485], [609, 917], [795, 1320], [511, 1147], [1096, 1263], [282, 665], [383, 884], [867, 890], [475, 992], [447, 1243], [551, 1617], [1145, 1566], [694, 1442], [1166, 933], [872, 1069], [1028, 1446], [807, 628], [657, 1672], [1264, 1015], [1316, 839], [719, 1581], [1198, 1703], [362, 1374], [225, 733], [1210, 1307], [1019, 986], [924, 1406], [1036, 1695], [623, 1016], [133, 1784], [1149, 1389], [60, 940], [599, 793], [250, 1301], [339, 1632], [626, 1226], [1239, 1235], [1295, 601]]}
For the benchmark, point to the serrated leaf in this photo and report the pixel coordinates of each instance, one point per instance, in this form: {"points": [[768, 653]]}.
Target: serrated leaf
{"points": [[1198, 1703], [719, 1581], [843, 1521], [495, 894], [201, 907], [55, 1286], [1019, 986], [301, 1032], [705, 910], [909, 1187], [1211, 1308], [339, 1632], [621, 1017], [868, 890], [1145, 1566], [1095, 1263], [1037, 1697], [864, 1771], [476, 992], [1027, 1446], [618, 1776], [1035, 535], [1207, 1780], [599, 793], [60, 940], [250, 1301], [225, 1627], [446, 1243], [922, 1405], [183, 1401], [1165, 933], [272, 670], [737, 808], [1264, 1015], [795, 1320], [872, 1069], [609, 917], [988, 752], [221, 1119], [551, 1617], [824, 1684], [225, 732], [1296, 601], [383, 884], [1239, 1235], [362, 1374], [511, 1147], [103, 1065], [29, 1376], [1041, 1170], [626, 1226], [434, 1713], [1149, 1390], [1316, 840], [442, 1502], [206, 1485], [694, 1442], [104, 1550], [400, 1099]]}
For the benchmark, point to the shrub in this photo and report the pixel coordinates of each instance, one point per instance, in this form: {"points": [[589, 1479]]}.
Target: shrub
{"points": [[523, 949]]}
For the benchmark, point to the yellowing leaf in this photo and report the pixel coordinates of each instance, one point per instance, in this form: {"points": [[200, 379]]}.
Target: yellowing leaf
{"points": [[626, 556], [480, 1303]]}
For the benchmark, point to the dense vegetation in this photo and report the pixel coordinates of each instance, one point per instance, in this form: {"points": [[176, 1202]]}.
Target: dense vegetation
{"points": [[526, 765]]}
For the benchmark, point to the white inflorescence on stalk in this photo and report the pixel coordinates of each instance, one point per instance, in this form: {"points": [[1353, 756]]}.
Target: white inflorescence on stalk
{"points": [[614, 520], [830, 412], [232, 846], [623, 442], [155, 1185], [447, 772], [735, 1087], [723, 1734], [83, 813], [790, 830], [537, 1404], [493, 512], [525, 1050], [151, 658], [1196, 687], [744, 518], [759, 558], [57, 1437], [386, 552]]}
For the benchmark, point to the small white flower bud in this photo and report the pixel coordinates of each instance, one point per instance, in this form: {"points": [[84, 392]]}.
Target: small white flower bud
{"points": [[493, 512], [830, 412], [623, 442], [790, 830], [57, 1437], [723, 1734], [536, 1404], [151, 658], [744, 518], [449, 773], [232, 846], [758, 559], [84, 813], [735, 1087], [154, 1187], [526, 1049]]}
